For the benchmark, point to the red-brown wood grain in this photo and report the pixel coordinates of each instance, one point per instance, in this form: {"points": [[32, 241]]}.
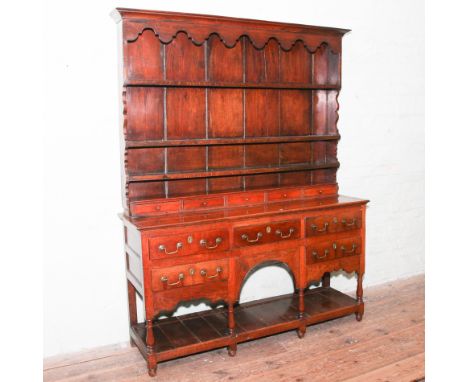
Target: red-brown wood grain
{"points": [[229, 164]]}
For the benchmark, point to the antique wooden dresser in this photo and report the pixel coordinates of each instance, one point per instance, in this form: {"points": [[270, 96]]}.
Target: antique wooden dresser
{"points": [[229, 161]]}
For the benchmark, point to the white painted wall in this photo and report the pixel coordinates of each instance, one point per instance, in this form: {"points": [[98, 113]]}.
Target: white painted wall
{"points": [[381, 151]]}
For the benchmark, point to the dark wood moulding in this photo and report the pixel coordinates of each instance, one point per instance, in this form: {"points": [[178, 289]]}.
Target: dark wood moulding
{"points": [[230, 172], [229, 141]]}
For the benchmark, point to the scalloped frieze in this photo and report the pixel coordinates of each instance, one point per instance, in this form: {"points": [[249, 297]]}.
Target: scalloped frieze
{"points": [[230, 34]]}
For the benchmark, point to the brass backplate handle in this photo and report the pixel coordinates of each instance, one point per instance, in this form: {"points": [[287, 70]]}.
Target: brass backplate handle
{"points": [[204, 243], [164, 279], [163, 248], [316, 255], [204, 273], [351, 224], [246, 237], [280, 234], [351, 251], [324, 229]]}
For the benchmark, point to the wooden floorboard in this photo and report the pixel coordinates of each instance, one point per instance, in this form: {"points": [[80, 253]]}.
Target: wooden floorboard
{"points": [[388, 345]]}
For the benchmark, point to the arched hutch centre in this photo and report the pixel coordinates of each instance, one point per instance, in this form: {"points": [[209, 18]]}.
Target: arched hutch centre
{"points": [[229, 160]]}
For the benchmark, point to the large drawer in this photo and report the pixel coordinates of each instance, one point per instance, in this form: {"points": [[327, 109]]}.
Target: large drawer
{"points": [[189, 274], [188, 243], [326, 250], [333, 222], [267, 233]]}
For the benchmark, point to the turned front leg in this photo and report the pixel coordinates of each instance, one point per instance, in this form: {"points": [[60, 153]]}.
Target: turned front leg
{"points": [[359, 294], [150, 349], [232, 348], [302, 328]]}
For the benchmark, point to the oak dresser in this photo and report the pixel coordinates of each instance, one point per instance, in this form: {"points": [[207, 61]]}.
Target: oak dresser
{"points": [[229, 161]]}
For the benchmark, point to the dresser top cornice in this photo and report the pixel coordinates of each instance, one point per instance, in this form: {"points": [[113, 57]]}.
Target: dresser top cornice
{"points": [[199, 27]]}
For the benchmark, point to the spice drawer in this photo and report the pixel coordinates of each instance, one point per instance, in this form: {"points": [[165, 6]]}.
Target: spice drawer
{"points": [[189, 274], [266, 233], [189, 243]]}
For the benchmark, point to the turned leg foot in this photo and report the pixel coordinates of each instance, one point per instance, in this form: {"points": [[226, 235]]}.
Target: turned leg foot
{"points": [[301, 332], [358, 316], [152, 371], [232, 350]]}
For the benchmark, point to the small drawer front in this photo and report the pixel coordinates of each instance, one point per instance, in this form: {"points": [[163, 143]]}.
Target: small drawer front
{"points": [[190, 274], [189, 243], [338, 221], [266, 233], [330, 250], [154, 208], [284, 195], [203, 203], [244, 200]]}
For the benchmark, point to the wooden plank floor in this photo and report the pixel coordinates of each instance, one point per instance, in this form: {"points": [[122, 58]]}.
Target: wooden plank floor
{"points": [[388, 345]]}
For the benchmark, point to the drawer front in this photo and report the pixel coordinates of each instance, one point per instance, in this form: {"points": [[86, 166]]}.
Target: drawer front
{"points": [[154, 208], [189, 274], [284, 195], [266, 233], [189, 243], [203, 203], [248, 199], [333, 222], [333, 249]]}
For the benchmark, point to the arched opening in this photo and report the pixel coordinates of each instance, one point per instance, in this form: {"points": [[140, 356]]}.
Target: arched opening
{"points": [[267, 279]]}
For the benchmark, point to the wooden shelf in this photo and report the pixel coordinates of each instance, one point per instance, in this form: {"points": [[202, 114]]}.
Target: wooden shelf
{"points": [[201, 331], [240, 85], [229, 172], [230, 141]]}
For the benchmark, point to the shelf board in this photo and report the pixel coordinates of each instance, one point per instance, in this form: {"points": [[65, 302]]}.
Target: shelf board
{"points": [[206, 330], [229, 141], [228, 172], [235, 85]]}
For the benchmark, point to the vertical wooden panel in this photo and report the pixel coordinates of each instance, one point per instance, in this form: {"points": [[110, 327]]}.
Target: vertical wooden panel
{"points": [[144, 58], [295, 153], [224, 64], [224, 184], [320, 111], [261, 181], [296, 64], [186, 158], [334, 68], [262, 65], [295, 112], [261, 113], [142, 161], [225, 113], [225, 157], [185, 113], [186, 187], [144, 113], [300, 178], [261, 155], [320, 59], [146, 190], [185, 61]]}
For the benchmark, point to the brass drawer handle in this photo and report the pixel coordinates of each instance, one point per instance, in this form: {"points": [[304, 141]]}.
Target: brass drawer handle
{"points": [[345, 223], [246, 237], [162, 248], [316, 255], [204, 243], [280, 234], [351, 251], [218, 271], [164, 279], [324, 229]]}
